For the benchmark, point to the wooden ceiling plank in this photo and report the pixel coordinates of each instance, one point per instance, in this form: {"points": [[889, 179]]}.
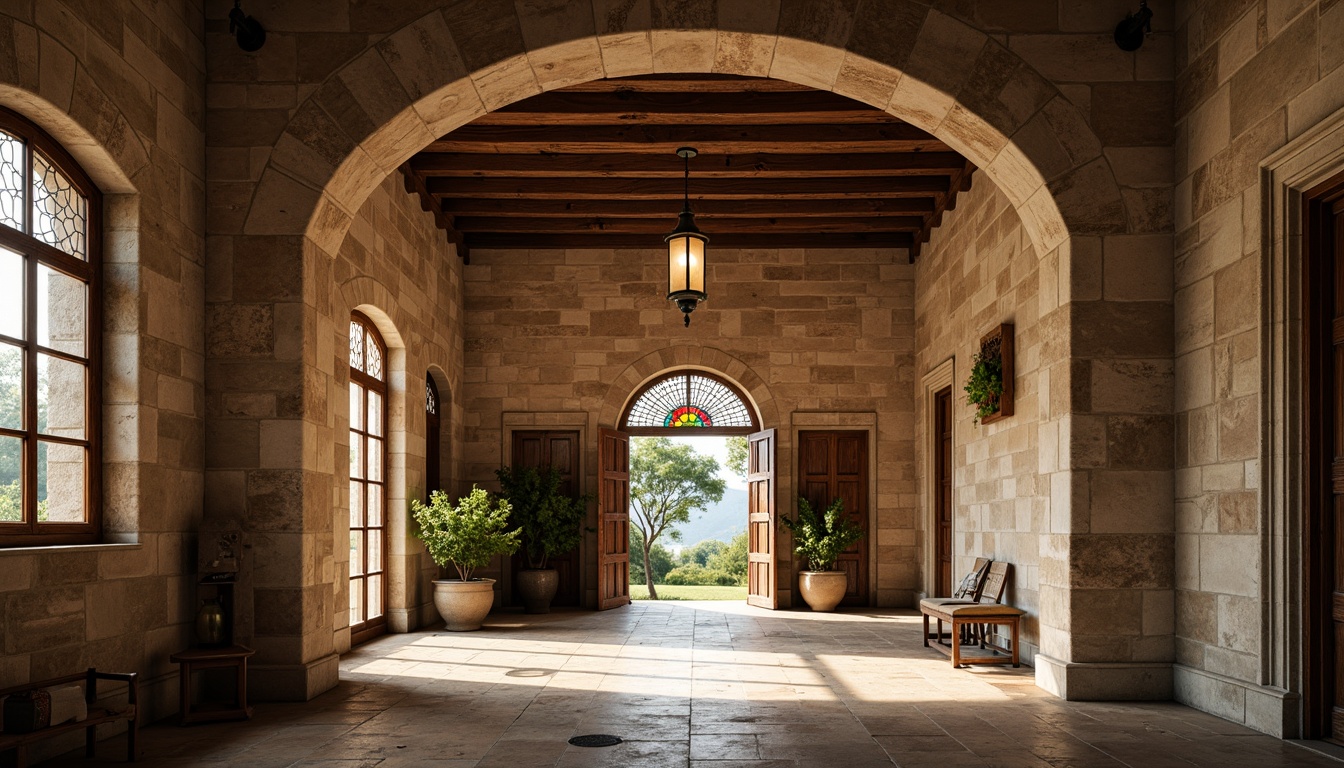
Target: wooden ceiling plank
{"points": [[671, 189], [704, 209], [664, 139], [820, 163], [484, 241], [656, 227]]}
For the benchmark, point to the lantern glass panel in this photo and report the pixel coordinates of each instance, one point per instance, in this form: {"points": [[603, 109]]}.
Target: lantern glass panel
{"points": [[682, 251]]}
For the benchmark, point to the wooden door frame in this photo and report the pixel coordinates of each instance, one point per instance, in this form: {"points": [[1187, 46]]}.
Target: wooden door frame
{"points": [[936, 380], [1288, 177], [1320, 411], [830, 421], [557, 421]]}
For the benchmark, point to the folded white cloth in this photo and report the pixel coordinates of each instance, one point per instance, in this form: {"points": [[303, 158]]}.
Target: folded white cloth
{"points": [[67, 704]]}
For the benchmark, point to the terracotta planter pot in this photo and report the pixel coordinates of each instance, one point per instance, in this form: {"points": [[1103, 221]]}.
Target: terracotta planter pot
{"points": [[538, 589], [463, 604], [823, 590]]}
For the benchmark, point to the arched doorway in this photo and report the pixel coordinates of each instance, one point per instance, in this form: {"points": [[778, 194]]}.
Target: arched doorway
{"points": [[686, 403]]}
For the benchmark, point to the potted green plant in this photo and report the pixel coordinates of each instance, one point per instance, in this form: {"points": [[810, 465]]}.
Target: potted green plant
{"points": [[465, 536], [984, 387], [819, 540], [550, 523]]}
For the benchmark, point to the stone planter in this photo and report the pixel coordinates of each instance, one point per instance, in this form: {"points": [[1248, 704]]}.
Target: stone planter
{"points": [[463, 604], [823, 590], [537, 588]]}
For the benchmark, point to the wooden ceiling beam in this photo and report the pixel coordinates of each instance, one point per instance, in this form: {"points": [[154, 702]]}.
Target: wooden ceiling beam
{"points": [[686, 108], [709, 139], [672, 189], [682, 83], [704, 209], [415, 185], [657, 227], [821, 163], [511, 241]]}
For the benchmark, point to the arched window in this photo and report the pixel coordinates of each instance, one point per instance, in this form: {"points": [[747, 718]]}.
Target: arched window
{"points": [[697, 402], [433, 420], [49, 341], [368, 480]]}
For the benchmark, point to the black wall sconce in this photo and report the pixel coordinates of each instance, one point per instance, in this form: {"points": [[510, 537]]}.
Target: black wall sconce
{"points": [[251, 36], [1130, 32]]}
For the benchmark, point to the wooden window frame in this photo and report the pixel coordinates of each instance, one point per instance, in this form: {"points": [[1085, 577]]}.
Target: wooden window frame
{"points": [[30, 532], [370, 628], [685, 431]]}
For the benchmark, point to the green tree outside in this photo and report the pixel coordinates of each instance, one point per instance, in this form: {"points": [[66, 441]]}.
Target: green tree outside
{"points": [[668, 482]]}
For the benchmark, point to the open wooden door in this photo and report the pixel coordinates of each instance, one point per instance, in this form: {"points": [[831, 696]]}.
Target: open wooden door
{"points": [[761, 587], [613, 510], [834, 465]]}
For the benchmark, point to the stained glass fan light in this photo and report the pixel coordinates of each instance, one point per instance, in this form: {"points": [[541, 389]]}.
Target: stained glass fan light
{"points": [[689, 401]]}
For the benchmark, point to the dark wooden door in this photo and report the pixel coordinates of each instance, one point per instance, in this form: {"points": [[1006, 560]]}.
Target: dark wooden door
{"points": [[560, 450], [613, 512], [835, 465], [761, 571], [1324, 430], [942, 484]]}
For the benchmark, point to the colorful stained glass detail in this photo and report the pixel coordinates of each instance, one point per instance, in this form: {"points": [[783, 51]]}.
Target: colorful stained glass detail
{"points": [[689, 400], [11, 181], [688, 416], [60, 213]]}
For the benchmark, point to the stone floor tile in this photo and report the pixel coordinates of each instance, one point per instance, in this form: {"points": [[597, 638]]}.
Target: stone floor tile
{"points": [[706, 685]]}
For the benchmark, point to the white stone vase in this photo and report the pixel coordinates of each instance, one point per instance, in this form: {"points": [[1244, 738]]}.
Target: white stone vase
{"points": [[537, 588], [463, 604], [823, 590]]}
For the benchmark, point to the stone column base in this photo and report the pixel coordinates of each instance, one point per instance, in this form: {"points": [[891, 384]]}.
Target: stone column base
{"points": [[1112, 681], [1274, 711], [293, 682]]}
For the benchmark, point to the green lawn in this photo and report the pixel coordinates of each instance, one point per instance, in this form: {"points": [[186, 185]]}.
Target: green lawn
{"points": [[670, 592]]}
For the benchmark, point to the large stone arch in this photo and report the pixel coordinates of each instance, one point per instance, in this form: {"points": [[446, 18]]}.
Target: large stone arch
{"points": [[915, 62]]}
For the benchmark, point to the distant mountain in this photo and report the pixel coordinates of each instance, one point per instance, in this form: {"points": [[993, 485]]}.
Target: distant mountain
{"points": [[722, 521]]}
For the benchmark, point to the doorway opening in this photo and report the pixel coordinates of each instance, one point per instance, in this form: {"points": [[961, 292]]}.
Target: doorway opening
{"points": [[698, 494]]}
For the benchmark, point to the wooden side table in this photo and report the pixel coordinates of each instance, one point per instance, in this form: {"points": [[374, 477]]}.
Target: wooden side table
{"points": [[197, 659]]}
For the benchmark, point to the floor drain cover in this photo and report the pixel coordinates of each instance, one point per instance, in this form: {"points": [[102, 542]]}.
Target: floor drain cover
{"points": [[595, 740]]}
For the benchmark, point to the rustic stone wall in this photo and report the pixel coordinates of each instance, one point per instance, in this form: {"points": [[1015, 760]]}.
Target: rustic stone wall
{"points": [[1253, 76], [397, 268], [980, 270], [828, 331], [121, 85]]}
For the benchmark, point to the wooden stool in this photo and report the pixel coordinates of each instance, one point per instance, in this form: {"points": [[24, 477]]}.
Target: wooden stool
{"points": [[197, 659], [971, 614]]}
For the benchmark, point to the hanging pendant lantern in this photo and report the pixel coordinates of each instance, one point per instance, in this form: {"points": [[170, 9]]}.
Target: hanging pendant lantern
{"points": [[686, 246]]}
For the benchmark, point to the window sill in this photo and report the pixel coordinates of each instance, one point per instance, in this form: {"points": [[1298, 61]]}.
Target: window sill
{"points": [[49, 549]]}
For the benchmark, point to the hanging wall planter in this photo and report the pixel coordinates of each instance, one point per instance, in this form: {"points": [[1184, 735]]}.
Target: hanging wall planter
{"points": [[990, 386]]}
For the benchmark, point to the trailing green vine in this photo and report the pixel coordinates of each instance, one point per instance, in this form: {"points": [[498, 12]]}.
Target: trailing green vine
{"points": [[985, 385]]}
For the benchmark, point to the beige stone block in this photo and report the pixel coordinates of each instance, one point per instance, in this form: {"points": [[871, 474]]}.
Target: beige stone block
{"points": [[865, 80], [450, 106], [1238, 428], [1228, 564], [628, 54], [1187, 563], [1194, 309], [806, 62], [1278, 72], [568, 63], [1316, 102], [1138, 268], [1131, 502], [920, 104], [505, 82], [1238, 46], [683, 50], [1210, 128], [747, 54], [1332, 39], [1159, 612]]}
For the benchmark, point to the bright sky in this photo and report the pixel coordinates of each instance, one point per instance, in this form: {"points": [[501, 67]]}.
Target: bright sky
{"points": [[718, 448]]}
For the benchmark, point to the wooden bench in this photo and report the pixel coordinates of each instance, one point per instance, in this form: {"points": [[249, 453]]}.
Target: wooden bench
{"points": [[18, 742], [969, 615]]}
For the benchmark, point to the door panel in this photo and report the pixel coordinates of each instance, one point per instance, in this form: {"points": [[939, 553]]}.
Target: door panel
{"points": [[1323, 621], [559, 450], [942, 483], [613, 510], [761, 571], [835, 464]]}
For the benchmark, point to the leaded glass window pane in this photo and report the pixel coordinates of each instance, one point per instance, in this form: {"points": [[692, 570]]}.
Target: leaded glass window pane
{"points": [[373, 358], [11, 181], [689, 401], [60, 213], [356, 346]]}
